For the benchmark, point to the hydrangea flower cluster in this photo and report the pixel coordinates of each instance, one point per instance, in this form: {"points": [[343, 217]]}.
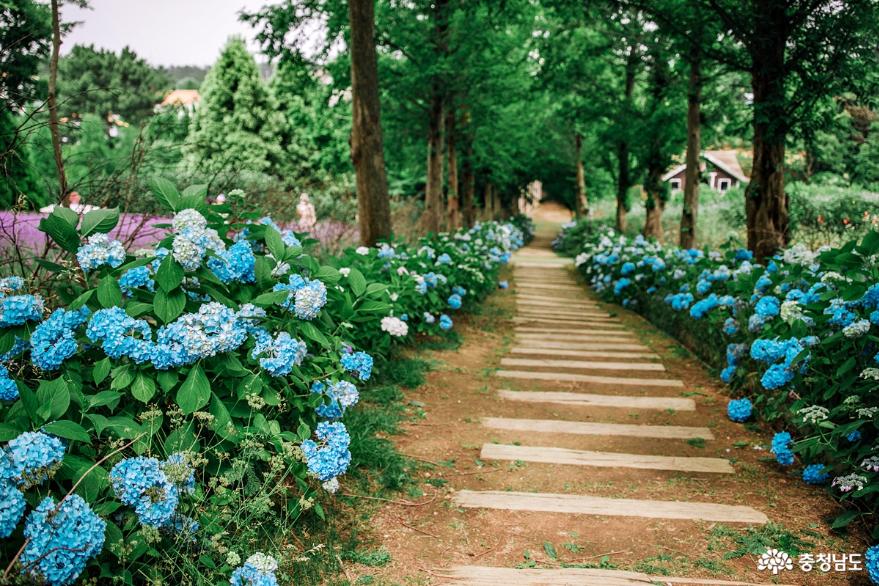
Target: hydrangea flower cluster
{"points": [[8, 388], [31, 458], [235, 265], [98, 251], [137, 278], [445, 322], [16, 310], [814, 474], [61, 539], [872, 563], [359, 363], [193, 239], [394, 326], [341, 396], [258, 570], [781, 448], [152, 488], [739, 410], [306, 297], [54, 340], [455, 301], [279, 355], [329, 458]]}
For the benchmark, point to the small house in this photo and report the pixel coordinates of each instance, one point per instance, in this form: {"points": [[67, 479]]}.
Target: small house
{"points": [[720, 171]]}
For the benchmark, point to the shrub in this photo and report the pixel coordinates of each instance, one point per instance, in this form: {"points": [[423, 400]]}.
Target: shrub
{"points": [[798, 335], [186, 403]]}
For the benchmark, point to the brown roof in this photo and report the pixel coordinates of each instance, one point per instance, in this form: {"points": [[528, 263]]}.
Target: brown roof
{"points": [[727, 160], [181, 98]]}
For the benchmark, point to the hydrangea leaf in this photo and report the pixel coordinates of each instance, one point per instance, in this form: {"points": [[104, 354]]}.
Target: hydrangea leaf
{"points": [[357, 282], [170, 274], [53, 397], [329, 275], [165, 192], [195, 392], [109, 293], [275, 243], [68, 430], [60, 230], [101, 221], [143, 388], [100, 370], [169, 305]]}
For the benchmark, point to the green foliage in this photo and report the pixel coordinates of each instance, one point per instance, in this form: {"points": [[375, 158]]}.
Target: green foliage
{"points": [[24, 43]]}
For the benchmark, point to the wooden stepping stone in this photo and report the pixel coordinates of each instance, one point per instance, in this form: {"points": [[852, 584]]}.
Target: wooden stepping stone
{"points": [[567, 325], [582, 364], [537, 329], [588, 378], [585, 335], [490, 576], [593, 505], [593, 400], [583, 353], [564, 456], [565, 318], [544, 301], [545, 344], [564, 311], [540, 287], [604, 429]]}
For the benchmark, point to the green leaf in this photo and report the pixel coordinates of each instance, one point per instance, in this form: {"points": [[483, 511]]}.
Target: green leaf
{"points": [[138, 308], [68, 430], [221, 415], [167, 379], [375, 288], [60, 230], [196, 190], [329, 275], [104, 399], [109, 293], [275, 243], [549, 548], [8, 432], [370, 306], [169, 305], [170, 274], [165, 192], [81, 300], [303, 431], [7, 341], [271, 298], [122, 377], [845, 518], [30, 402], [195, 392], [310, 331], [100, 370], [53, 397], [143, 388], [357, 282], [100, 221], [67, 214]]}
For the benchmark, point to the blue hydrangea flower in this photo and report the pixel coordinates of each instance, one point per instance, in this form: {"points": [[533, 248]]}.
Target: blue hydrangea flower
{"points": [[141, 484], [627, 269], [504, 284], [872, 565], [331, 457], [19, 309], [33, 456], [193, 239], [329, 410], [54, 340], [620, 285], [100, 250], [445, 322], [12, 509], [702, 307], [429, 318], [213, 329], [739, 410], [121, 335], [137, 278], [359, 363], [443, 259], [679, 301], [11, 285], [767, 307], [235, 265], [814, 474], [730, 326], [853, 436], [8, 388], [280, 355], [61, 540], [458, 290], [727, 373], [258, 570], [179, 471], [455, 301], [781, 448]]}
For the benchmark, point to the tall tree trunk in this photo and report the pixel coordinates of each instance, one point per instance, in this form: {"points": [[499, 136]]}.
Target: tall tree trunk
{"points": [[624, 180], [454, 207], [434, 189], [53, 101], [367, 152], [489, 209], [581, 207], [693, 175], [766, 204], [469, 193], [657, 155]]}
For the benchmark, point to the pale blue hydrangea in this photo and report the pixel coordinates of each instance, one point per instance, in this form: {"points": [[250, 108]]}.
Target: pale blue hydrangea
{"points": [[32, 457], [739, 410], [359, 363], [141, 484], [100, 250], [310, 299], [179, 471], [730, 326], [213, 329], [137, 278], [258, 570], [11, 285], [386, 252], [429, 318], [504, 284], [815, 474], [61, 540], [727, 373], [872, 558], [54, 340], [329, 458], [454, 301], [235, 265], [12, 509], [19, 309], [193, 239], [620, 285], [445, 322], [781, 448], [8, 388], [444, 259], [279, 355], [458, 290], [121, 335]]}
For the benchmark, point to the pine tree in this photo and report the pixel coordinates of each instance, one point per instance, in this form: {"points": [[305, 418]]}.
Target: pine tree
{"points": [[237, 122]]}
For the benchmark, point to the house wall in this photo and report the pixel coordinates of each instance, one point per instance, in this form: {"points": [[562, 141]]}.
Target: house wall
{"points": [[712, 176]]}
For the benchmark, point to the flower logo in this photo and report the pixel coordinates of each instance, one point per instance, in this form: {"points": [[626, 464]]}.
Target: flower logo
{"points": [[775, 561]]}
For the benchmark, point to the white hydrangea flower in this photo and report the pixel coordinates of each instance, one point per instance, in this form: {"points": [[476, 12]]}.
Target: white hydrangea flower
{"points": [[852, 482], [856, 329], [870, 374], [188, 218], [402, 271], [345, 271], [362, 250], [394, 326], [791, 311], [331, 485], [814, 413], [264, 563], [867, 412], [581, 258], [281, 269], [394, 296]]}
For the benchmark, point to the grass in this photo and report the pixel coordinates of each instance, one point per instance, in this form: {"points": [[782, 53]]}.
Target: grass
{"points": [[756, 540]]}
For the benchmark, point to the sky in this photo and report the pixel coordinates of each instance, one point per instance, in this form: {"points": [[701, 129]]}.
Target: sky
{"points": [[164, 32]]}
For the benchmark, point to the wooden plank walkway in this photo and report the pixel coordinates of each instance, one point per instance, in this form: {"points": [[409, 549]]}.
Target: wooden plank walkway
{"points": [[488, 576], [603, 429], [594, 400]]}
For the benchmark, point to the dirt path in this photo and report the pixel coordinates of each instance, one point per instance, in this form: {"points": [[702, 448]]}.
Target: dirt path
{"points": [[569, 442]]}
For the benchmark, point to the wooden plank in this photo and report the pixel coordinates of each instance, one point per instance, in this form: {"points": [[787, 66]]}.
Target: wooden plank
{"points": [[601, 506], [583, 335], [596, 321], [582, 364], [541, 287], [605, 429], [564, 456], [492, 576], [588, 378], [593, 400], [583, 353], [562, 315], [553, 320], [547, 343], [540, 300], [538, 329]]}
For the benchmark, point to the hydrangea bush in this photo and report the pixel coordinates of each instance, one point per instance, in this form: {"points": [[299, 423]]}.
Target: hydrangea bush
{"points": [[162, 402], [799, 335]]}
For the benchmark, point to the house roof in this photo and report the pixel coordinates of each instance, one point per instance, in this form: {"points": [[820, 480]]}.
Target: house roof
{"points": [[181, 98], [727, 160]]}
